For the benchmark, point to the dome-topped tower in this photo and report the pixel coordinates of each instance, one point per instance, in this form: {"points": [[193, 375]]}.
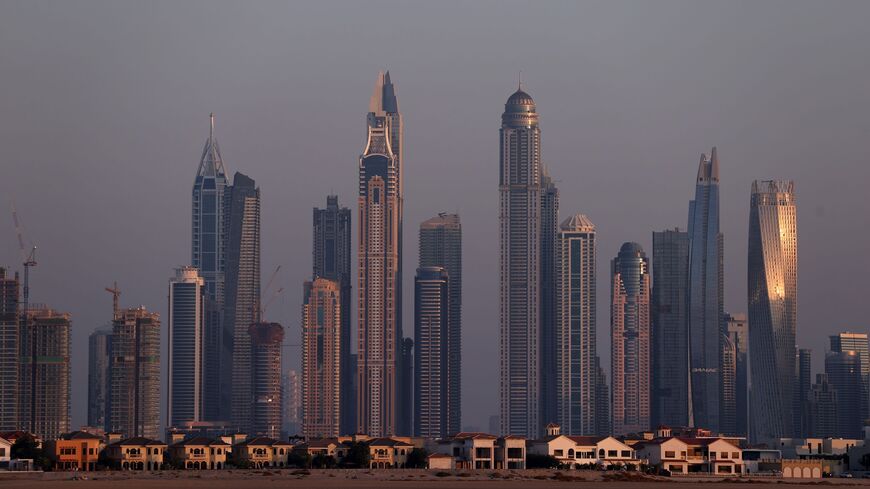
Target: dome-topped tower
{"points": [[520, 110]]}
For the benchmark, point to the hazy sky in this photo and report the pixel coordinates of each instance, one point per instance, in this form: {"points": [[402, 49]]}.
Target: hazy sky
{"points": [[104, 110]]}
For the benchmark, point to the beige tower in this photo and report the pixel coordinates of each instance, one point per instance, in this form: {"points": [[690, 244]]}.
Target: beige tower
{"points": [[321, 359]]}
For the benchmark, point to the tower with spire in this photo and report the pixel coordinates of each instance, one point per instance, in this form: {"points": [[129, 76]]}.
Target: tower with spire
{"points": [[207, 255], [383, 398]]}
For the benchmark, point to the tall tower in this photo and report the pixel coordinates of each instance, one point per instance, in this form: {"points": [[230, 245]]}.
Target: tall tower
{"points": [[630, 340], [857, 342], [207, 255], [441, 246], [549, 297], [99, 355], [772, 290], [380, 266], [9, 343], [265, 381], [705, 295], [134, 394], [185, 372], [843, 369], [520, 277], [576, 327], [321, 358], [431, 323], [331, 253], [241, 297], [670, 333], [802, 392], [44, 378], [737, 329]]}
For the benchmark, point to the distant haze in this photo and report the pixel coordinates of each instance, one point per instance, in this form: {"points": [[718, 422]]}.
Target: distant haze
{"points": [[104, 110]]}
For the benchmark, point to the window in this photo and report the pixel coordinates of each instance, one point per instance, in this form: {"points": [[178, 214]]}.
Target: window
{"points": [[670, 454], [626, 454], [735, 455], [558, 453], [2, 451], [570, 453], [612, 453]]}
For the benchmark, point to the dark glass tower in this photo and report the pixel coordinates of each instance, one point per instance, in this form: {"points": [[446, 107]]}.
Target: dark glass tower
{"points": [[802, 392], [9, 344], [331, 254], [858, 343], [382, 399], [549, 314], [844, 373], [241, 297], [705, 296], [670, 333], [207, 255], [99, 353], [431, 324], [737, 329], [441, 246], [772, 290]]}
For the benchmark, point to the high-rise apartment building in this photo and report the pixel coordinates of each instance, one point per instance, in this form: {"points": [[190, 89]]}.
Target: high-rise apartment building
{"points": [[321, 358], [9, 350], [187, 321], [737, 332], [772, 292], [99, 355], [857, 342], [802, 392], [549, 298], [630, 340], [670, 329], [603, 425], [380, 266], [331, 257], [843, 370], [207, 255], [705, 297], [431, 324], [822, 409], [134, 372], [291, 396], [526, 200], [44, 373], [441, 246], [575, 355], [265, 380], [241, 295]]}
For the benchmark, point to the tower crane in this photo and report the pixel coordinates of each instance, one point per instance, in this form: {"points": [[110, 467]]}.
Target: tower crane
{"points": [[29, 258], [116, 293]]}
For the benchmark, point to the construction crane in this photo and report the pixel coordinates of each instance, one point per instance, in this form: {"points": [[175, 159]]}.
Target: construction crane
{"points": [[116, 293], [29, 258]]}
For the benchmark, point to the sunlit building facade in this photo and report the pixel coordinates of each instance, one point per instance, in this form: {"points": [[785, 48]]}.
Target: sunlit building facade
{"points": [[321, 359], [772, 289], [134, 371]]}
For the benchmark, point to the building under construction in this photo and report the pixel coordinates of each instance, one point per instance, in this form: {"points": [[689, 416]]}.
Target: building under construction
{"points": [[134, 394], [9, 288], [44, 373], [265, 384]]}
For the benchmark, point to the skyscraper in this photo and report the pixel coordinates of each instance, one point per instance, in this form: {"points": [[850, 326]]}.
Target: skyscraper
{"points": [[843, 370], [331, 254], [603, 425], [772, 289], [241, 295], [737, 329], [705, 296], [520, 267], [321, 358], [99, 355], [441, 246], [858, 343], [291, 397], [134, 393], [630, 340], [207, 255], [380, 259], [265, 380], [549, 298], [431, 324], [802, 392], [670, 329], [822, 409], [9, 344], [44, 378], [186, 342], [575, 355]]}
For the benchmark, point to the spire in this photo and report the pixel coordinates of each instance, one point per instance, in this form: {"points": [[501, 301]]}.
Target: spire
{"points": [[377, 101], [714, 165], [520, 81], [210, 163]]}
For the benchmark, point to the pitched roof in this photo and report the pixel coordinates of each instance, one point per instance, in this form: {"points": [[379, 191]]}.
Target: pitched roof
{"points": [[586, 440], [388, 442], [440, 455], [257, 441], [140, 441], [201, 441], [80, 435], [464, 435]]}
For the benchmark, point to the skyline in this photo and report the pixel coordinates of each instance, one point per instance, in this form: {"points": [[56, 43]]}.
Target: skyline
{"points": [[80, 250]]}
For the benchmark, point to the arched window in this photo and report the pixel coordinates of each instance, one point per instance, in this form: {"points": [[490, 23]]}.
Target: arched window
{"points": [[570, 453]]}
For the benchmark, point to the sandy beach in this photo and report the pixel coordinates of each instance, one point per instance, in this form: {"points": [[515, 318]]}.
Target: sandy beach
{"points": [[385, 479]]}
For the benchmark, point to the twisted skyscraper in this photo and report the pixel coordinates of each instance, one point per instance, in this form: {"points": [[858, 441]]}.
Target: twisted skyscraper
{"points": [[772, 288], [380, 396]]}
